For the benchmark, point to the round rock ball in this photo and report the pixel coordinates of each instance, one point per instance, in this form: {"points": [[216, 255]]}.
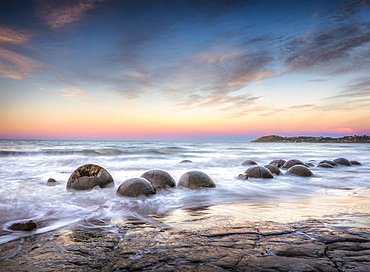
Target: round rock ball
{"points": [[342, 161], [279, 162], [88, 176], [325, 165], [273, 169], [291, 163], [328, 162], [159, 179], [135, 187], [196, 180], [258, 172], [249, 162], [299, 170]]}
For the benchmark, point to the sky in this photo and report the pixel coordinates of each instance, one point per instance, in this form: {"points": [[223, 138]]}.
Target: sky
{"points": [[183, 70]]}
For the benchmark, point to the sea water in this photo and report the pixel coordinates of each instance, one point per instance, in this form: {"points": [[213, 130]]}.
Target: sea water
{"points": [[25, 167]]}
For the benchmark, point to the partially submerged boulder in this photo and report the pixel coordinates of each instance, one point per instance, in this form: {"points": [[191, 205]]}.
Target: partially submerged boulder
{"points": [[249, 162], [135, 187], [26, 226], [273, 169], [159, 179], [299, 170], [342, 161], [291, 163], [88, 176], [258, 172], [278, 162], [355, 163], [328, 162], [325, 165], [196, 180], [186, 161]]}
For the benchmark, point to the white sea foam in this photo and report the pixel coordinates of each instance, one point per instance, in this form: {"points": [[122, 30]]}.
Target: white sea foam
{"points": [[25, 167]]}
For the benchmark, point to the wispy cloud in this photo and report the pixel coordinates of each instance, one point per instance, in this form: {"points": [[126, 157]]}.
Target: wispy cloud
{"points": [[16, 66], [60, 14], [13, 36], [75, 94]]}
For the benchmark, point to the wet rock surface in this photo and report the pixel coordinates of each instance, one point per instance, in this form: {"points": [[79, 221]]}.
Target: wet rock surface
{"points": [[273, 169], [291, 163], [308, 245], [196, 180], [88, 176], [249, 162], [135, 187], [278, 162], [159, 179], [258, 172], [24, 226], [299, 170], [342, 161]]}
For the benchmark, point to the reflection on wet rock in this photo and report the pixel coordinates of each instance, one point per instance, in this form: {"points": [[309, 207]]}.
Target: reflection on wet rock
{"points": [[299, 170], [159, 179], [88, 176], [258, 172], [135, 187], [195, 180]]}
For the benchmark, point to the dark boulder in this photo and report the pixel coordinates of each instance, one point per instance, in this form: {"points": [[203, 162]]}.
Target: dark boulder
{"points": [[299, 170], [159, 179], [27, 226], [88, 176], [51, 182], [186, 161], [291, 163], [329, 162], [279, 162], [258, 172], [135, 187], [196, 180], [342, 161], [273, 169], [325, 165], [249, 162], [355, 163]]}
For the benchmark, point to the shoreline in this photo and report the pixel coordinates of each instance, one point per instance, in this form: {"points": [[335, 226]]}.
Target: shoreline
{"points": [[214, 238]]}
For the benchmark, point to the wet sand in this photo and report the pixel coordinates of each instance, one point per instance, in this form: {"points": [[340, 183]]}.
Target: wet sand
{"points": [[317, 235]]}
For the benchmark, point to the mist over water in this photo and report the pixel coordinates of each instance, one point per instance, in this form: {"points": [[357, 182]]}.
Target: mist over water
{"points": [[25, 167]]}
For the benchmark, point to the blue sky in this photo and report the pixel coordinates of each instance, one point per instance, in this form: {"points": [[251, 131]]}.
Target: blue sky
{"points": [[184, 69]]}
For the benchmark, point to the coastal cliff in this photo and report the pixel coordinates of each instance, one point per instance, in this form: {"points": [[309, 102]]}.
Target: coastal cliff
{"points": [[311, 139]]}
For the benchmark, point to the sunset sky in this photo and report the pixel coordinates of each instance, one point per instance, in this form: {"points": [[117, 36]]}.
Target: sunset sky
{"points": [[183, 70]]}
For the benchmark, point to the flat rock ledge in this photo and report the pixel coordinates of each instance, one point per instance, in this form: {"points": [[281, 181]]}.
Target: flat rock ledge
{"points": [[302, 246]]}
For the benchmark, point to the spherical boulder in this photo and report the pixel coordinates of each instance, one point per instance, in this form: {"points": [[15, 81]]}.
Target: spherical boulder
{"points": [[355, 163], [325, 165], [196, 180], [135, 187], [328, 162], [258, 172], [186, 161], [88, 176], [249, 162], [342, 161], [273, 169], [279, 162], [159, 179], [299, 170], [242, 177], [291, 163]]}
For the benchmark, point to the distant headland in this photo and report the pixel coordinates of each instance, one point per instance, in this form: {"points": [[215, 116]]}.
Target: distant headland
{"points": [[311, 139]]}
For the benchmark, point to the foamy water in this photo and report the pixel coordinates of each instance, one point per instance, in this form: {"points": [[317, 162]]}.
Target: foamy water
{"points": [[25, 167]]}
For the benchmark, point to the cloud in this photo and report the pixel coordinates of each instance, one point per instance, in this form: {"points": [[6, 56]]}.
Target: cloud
{"points": [[16, 66], [334, 51], [12, 36], [60, 14], [75, 94], [349, 9]]}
